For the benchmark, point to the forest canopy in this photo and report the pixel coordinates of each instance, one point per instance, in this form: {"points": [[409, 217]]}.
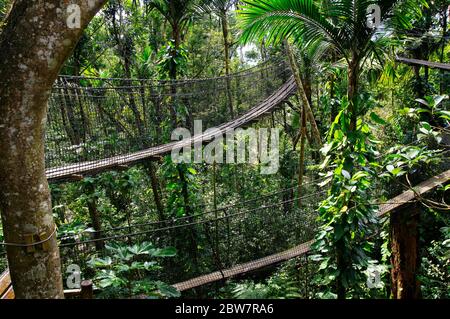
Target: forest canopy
{"points": [[340, 110]]}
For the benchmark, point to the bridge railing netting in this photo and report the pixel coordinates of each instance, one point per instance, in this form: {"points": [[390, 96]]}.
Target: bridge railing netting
{"points": [[93, 118], [211, 241]]}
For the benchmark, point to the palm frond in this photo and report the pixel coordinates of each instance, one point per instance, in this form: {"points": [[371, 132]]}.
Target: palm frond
{"points": [[279, 19]]}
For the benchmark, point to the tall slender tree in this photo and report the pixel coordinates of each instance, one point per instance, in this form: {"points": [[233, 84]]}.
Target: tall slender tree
{"points": [[221, 9], [344, 25]]}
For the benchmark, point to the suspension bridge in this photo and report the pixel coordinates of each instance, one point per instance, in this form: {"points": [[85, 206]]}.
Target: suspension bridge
{"points": [[95, 125]]}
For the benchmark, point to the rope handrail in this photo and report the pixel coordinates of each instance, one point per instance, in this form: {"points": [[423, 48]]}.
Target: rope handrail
{"points": [[220, 209], [129, 158], [212, 220], [253, 69], [304, 248]]}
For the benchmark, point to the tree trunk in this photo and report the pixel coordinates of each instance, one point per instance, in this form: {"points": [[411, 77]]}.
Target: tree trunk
{"points": [[189, 212], [302, 94], [341, 264], [353, 72], [34, 44], [405, 253], [334, 110], [442, 86], [173, 74], [226, 46], [94, 214], [302, 157], [155, 188]]}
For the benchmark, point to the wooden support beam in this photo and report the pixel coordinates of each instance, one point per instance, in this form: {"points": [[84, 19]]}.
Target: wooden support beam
{"points": [[87, 291], [435, 65], [405, 260]]}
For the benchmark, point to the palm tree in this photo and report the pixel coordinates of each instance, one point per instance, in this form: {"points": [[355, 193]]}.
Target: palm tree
{"points": [[341, 23], [178, 13], [221, 9]]}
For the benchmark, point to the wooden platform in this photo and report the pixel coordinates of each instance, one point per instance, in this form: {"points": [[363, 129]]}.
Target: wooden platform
{"points": [[434, 65], [386, 208], [75, 171]]}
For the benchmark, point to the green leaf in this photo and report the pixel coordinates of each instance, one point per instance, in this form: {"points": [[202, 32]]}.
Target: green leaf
{"points": [[346, 174], [192, 171], [165, 252], [344, 209], [377, 119], [167, 290]]}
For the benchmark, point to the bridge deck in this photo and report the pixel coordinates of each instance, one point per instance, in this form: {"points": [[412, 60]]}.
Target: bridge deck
{"points": [[435, 65], [94, 167], [6, 291], [305, 248]]}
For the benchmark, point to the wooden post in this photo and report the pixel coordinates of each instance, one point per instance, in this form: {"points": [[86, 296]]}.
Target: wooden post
{"points": [[87, 291], [405, 252]]}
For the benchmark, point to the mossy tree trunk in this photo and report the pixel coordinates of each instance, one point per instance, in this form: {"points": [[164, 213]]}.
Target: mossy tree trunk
{"points": [[35, 42]]}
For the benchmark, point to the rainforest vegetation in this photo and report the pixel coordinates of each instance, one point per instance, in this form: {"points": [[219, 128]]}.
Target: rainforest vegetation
{"points": [[360, 103]]}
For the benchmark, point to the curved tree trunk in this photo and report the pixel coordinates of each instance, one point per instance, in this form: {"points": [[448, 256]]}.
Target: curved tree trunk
{"points": [[226, 46], [302, 94], [34, 44]]}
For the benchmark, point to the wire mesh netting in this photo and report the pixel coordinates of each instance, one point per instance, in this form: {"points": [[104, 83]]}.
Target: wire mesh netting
{"points": [[93, 119], [211, 241]]}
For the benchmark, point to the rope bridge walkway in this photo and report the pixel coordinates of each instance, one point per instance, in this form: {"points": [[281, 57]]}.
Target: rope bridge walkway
{"points": [[96, 124], [436, 65], [303, 249], [258, 239]]}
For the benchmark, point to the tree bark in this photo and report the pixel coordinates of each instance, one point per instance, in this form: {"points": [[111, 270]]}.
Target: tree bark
{"points": [[352, 93], [302, 157], [94, 214], [226, 45], [35, 42], [155, 188], [405, 253], [173, 74], [302, 94]]}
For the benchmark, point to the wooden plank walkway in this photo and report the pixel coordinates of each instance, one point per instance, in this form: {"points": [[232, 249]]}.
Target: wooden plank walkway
{"points": [[93, 167], [6, 291], [305, 248], [245, 268], [435, 65]]}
